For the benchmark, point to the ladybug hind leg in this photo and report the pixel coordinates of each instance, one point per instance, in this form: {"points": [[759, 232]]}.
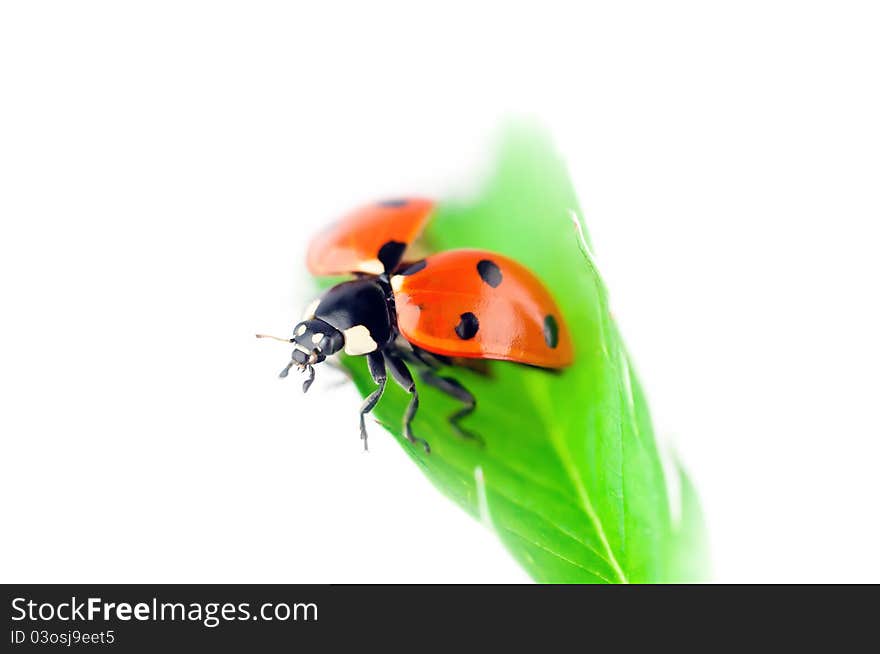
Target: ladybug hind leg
{"points": [[403, 377]]}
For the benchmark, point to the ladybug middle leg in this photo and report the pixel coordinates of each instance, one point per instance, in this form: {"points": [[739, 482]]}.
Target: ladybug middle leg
{"points": [[403, 377], [429, 364]]}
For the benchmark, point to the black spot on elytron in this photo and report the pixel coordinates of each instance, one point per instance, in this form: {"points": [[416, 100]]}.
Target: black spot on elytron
{"points": [[551, 331], [490, 272], [468, 326], [391, 253], [394, 203], [414, 268]]}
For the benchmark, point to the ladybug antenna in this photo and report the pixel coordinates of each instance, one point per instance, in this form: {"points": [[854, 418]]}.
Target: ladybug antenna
{"points": [[308, 382], [275, 338]]}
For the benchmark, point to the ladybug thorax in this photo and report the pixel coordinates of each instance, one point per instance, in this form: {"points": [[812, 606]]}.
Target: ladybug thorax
{"points": [[361, 310]]}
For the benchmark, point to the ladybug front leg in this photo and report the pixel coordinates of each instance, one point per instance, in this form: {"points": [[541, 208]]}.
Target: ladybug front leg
{"points": [[376, 363], [404, 378]]}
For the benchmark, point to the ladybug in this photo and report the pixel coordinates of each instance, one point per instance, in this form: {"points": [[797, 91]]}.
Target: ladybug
{"points": [[444, 309]]}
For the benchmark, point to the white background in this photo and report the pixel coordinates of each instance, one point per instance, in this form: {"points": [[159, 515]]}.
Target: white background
{"points": [[162, 166]]}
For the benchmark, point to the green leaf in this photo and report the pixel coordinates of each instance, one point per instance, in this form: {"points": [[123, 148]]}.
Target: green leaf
{"points": [[568, 473], [689, 550]]}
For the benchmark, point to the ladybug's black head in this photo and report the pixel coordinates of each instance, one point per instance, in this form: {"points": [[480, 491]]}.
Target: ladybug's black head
{"points": [[315, 340]]}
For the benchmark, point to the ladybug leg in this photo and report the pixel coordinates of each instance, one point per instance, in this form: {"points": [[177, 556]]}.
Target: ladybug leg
{"points": [[403, 377], [376, 363], [453, 388]]}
